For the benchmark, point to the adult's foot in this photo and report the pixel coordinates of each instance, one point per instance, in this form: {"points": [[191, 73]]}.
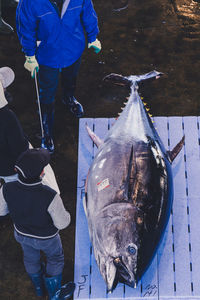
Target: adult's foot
{"points": [[74, 106]]}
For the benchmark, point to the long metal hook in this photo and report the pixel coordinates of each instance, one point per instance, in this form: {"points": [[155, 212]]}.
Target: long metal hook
{"points": [[38, 102]]}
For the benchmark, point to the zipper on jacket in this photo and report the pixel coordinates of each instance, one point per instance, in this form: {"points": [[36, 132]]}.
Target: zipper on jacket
{"points": [[57, 4]]}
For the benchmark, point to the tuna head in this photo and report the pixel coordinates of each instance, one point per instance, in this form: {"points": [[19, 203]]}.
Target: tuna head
{"points": [[116, 243]]}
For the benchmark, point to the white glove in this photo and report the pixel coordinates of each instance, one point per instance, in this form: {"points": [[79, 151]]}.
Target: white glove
{"points": [[96, 45], [31, 65]]}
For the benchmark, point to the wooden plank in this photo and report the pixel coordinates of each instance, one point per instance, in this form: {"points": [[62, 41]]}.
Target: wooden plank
{"points": [[192, 155], [165, 253], [149, 281], [134, 293], [118, 293], [82, 253], [98, 286], [191, 130], [82, 240], [180, 220]]}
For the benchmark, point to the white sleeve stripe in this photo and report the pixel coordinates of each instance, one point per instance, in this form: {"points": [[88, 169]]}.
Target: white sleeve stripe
{"points": [[61, 218], [3, 205]]}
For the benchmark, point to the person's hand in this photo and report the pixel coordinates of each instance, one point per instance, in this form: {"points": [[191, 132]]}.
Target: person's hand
{"points": [[31, 65], [96, 45]]}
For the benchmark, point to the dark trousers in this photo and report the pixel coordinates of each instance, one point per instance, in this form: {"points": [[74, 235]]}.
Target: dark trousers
{"points": [[52, 249], [48, 81]]}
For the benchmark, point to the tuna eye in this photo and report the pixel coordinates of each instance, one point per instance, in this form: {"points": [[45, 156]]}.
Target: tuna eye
{"points": [[131, 249]]}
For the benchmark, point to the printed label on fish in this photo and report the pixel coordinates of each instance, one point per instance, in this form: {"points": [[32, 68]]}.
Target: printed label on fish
{"points": [[103, 184]]}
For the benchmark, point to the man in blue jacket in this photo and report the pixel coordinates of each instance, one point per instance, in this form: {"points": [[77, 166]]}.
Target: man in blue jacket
{"points": [[52, 34]]}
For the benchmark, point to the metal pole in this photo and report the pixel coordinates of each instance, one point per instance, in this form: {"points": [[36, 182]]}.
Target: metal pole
{"points": [[39, 107]]}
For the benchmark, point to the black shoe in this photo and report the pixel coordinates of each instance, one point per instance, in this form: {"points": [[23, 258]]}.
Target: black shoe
{"points": [[47, 143], [66, 291], [75, 107]]}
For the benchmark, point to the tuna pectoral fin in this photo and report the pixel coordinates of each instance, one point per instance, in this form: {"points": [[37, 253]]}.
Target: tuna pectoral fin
{"points": [[97, 141], [172, 154]]}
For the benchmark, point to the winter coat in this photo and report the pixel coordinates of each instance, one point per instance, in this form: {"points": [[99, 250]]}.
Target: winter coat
{"points": [[61, 38], [12, 141], [35, 209]]}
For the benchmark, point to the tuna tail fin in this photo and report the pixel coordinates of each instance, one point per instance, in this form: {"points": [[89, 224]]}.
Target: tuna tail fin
{"points": [[118, 79], [97, 141], [131, 80], [172, 154]]}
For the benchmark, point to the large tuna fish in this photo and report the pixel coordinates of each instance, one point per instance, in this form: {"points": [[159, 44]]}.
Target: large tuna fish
{"points": [[129, 191]]}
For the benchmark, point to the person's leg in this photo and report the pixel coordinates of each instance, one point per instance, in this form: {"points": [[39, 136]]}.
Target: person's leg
{"points": [[48, 82], [48, 123], [55, 264], [68, 81], [53, 250], [32, 262], [69, 78]]}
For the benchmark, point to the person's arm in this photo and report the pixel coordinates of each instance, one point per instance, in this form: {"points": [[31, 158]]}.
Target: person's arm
{"points": [[90, 21], [3, 205], [61, 218], [26, 25]]}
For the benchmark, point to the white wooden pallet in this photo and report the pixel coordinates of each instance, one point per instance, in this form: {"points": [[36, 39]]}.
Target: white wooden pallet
{"points": [[175, 271]]}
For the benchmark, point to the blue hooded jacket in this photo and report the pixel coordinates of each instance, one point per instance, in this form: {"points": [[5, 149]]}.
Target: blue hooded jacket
{"points": [[57, 41]]}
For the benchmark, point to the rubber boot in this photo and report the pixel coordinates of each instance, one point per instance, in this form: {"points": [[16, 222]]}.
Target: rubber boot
{"points": [[65, 292], [53, 284], [47, 140], [74, 106], [38, 282], [4, 27]]}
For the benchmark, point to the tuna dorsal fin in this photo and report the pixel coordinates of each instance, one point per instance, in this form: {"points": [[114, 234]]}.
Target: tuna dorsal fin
{"points": [[97, 141], [172, 154]]}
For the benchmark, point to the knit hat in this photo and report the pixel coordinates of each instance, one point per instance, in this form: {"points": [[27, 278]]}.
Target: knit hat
{"points": [[31, 163], [6, 78]]}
